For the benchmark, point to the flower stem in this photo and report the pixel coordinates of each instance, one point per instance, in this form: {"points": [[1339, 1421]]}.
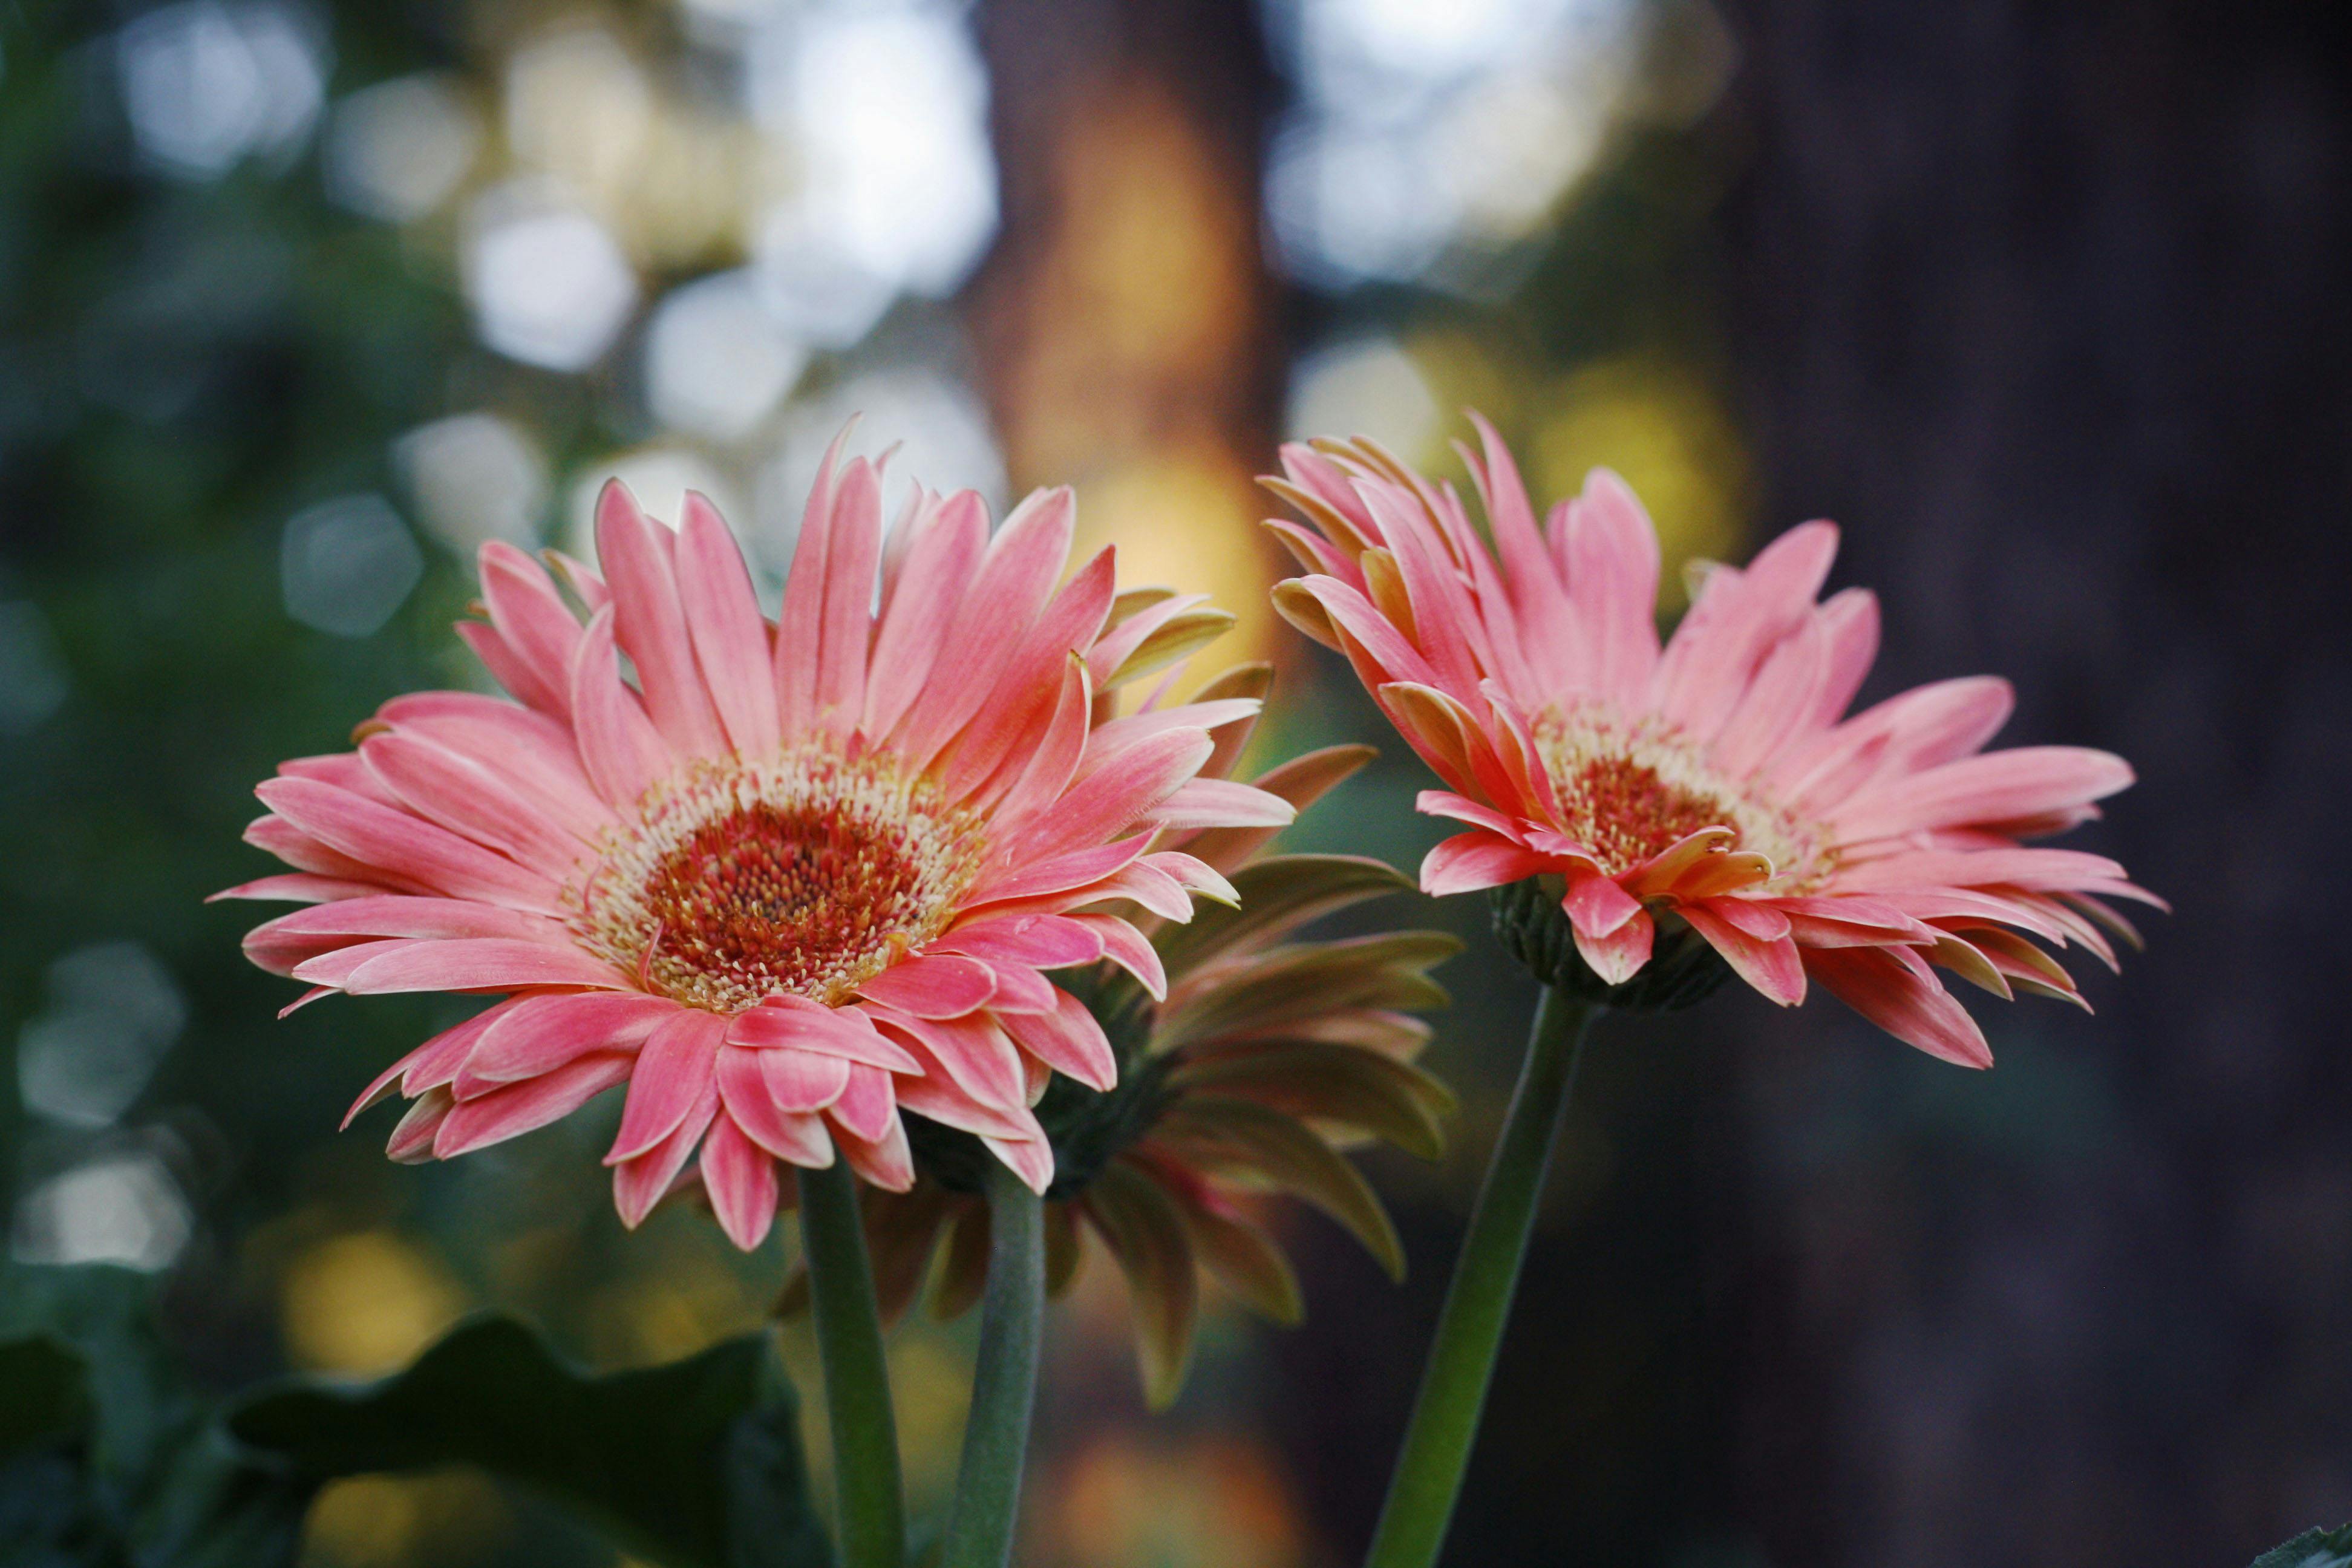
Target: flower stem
{"points": [[857, 1372], [1437, 1441], [1004, 1383]]}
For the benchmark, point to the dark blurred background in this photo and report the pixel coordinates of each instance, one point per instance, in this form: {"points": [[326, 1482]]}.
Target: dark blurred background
{"points": [[300, 301]]}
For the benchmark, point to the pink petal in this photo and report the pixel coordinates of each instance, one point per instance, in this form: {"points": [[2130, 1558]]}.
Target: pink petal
{"points": [[534, 625], [1597, 907], [639, 1184], [1103, 803], [514, 1109], [888, 1163], [480, 963], [1030, 878], [973, 1052], [1042, 941], [1772, 967], [1031, 1159], [1125, 946], [867, 1108], [800, 627], [297, 888], [434, 1062], [852, 557], [649, 622], [1620, 955], [619, 747], [1994, 787], [935, 986], [1468, 862], [742, 1180], [542, 1033], [788, 1132], [796, 1023], [1020, 989], [442, 786], [723, 615], [673, 1072], [939, 569], [408, 846], [1220, 802], [1067, 1039], [1899, 993]]}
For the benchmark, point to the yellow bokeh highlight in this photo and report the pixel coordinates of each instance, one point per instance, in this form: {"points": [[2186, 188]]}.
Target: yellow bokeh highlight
{"points": [[404, 1522], [366, 1302], [1187, 520], [1666, 434]]}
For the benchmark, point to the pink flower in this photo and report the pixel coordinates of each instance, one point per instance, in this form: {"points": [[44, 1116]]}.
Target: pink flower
{"points": [[1712, 786], [794, 879]]}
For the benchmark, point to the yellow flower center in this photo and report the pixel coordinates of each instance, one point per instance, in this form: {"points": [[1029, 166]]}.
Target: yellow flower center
{"points": [[1630, 791], [805, 875]]}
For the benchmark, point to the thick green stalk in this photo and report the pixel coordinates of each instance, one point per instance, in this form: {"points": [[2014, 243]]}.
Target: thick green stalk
{"points": [[1437, 1441], [1005, 1383], [857, 1372]]}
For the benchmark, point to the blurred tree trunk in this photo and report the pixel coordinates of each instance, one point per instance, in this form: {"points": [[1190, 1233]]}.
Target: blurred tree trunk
{"points": [[2049, 306], [1126, 321]]}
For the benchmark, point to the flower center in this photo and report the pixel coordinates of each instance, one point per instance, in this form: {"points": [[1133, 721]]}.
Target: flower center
{"points": [[1629, 793], [807, 875]]}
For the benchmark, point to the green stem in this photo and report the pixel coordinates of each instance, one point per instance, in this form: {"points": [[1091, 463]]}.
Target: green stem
{"points": [[1005, 1383], [857, 1372], [1437, 1441]]}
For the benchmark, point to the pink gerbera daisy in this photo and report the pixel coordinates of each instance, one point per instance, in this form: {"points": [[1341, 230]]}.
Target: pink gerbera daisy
{"points": [[1708, 795], [794, 879]]}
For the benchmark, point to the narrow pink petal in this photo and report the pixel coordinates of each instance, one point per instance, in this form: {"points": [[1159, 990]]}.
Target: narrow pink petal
{"points": [[542, 1033], [620, 747], [283, 944], [299, 849], [639, 1184], [511, 1109], [649, 622], [731, 640], [529, 751], [1031, 1159], [533, 623], [1772, 967], [480, 963], [674, 1070], [802, 1081], [1897, 991], [845, 632], [1610, 551], [974, 1053], [1597, 907], [867, 1109], [1019, 989], [788, 1132], [297, 888], [442, 786], [1469, 862], [2036, 871], [888, 1163], [1067, 1039], [1105, 803], [1029, 878], [411, 1143], [1152, 888], [937, 1097], [801, 1024], [406, 846], [800, 627], [740, 1178], [1220, 802], [939, 985], [1764, 922], [1996, 786], [434, 1063], [1015, 578], [1125, 946], [1619, 956], [1850, 619], [1042, 941], [343, 769], [939, 568], [1034, 690]]}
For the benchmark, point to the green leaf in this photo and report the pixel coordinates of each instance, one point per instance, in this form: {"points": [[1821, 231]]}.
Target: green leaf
{"points": [[2312, 1549], [696, 1464]]}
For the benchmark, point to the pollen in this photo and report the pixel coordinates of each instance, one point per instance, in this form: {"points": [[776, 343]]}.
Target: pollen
{"points": [[805, 876], [1629, 793]]}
